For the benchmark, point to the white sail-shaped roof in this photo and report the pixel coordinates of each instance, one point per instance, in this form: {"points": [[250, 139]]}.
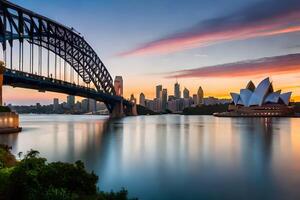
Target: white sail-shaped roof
{"points": [[240, 102], [235, 98], [245, 95], [272, 97], [285, 97], [260, 92]]}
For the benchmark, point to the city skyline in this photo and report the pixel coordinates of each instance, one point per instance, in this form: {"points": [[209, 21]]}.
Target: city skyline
{"points": [[196, 48]]}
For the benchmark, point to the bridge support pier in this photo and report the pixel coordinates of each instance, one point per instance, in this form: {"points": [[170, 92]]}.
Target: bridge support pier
{"points": [[133, 110], [9, 121], [2, 69], [118, 111]]}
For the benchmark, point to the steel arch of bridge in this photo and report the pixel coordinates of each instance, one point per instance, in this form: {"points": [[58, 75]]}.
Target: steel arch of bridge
{"points": [[17, 23]]}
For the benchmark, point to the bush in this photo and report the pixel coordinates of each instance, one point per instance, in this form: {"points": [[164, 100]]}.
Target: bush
{"points": [[5, 109], [205, 109], [141, 110], [4, 179], [6, 158], [33, 178]]}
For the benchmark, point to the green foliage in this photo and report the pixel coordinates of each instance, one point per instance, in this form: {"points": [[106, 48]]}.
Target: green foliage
{"points": [[6, 158], [57, 194], [297, 107], [141, 110], [4, 179], [121, 195], [73, 178], [34, 179], [5, 109], [205, 109]]}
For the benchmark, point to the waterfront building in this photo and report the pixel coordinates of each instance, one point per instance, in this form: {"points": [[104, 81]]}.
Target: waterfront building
{"points": [[157, 103], [224, 101], [260, 101], [92, 105], [100, 106], [177, 92], [149, 104], [142, 99], [195, 99], [164, 100], [70, 101], [172, 105], [65, 106], [210, 101], [85, 105], [158, 91], [118, 85], [38, 106], [186, 93], [55, 104], [200, 96], [179, 104], [187, 102], [171, 97], [77, 107]]}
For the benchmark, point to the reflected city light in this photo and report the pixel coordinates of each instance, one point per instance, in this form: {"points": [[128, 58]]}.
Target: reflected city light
{"points": [[260, 153]]}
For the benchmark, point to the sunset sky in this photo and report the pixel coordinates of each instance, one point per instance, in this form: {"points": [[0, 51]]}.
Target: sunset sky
{"points": [[219, 45]]}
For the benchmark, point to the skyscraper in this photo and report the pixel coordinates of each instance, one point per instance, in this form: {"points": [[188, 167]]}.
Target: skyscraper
{"points": [[177, 92], [70, 101], [200, 96], [55, 104], [158, 91], [164, 99], [186, 93], [118, 85], [195, 99], [85, 105], [92, 105], [142, 99]]}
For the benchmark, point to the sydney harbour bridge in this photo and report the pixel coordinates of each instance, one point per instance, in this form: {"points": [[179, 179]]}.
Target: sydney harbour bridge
{"points": [[45, 55]]}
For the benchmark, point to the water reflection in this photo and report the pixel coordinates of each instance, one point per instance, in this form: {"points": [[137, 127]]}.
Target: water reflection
{"points": [[173, 156]]}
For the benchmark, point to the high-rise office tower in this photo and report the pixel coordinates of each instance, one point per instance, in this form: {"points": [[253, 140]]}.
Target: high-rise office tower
{"points": [[70, 101], [195, 99], [142, 99], [158, 91], [177, 92], [164, 99], [186, 93], [55, 104], [200, 96], [92, 105], [85, 105]]}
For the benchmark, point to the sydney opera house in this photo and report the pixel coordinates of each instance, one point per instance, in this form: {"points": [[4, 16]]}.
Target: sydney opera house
{"points": [[260, 101]]}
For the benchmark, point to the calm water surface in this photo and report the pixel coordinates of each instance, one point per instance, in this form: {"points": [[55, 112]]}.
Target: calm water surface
{"points": [[173, 156]]}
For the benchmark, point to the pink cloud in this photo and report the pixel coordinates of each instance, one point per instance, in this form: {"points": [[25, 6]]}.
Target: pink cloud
{"points": [[257, 21], [265, 66]]}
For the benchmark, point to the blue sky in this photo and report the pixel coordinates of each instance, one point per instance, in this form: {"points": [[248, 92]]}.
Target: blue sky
{"points": [[116, 27]]}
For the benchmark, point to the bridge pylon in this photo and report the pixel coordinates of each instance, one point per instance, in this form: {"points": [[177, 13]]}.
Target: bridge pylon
{"points": [[2, 70], [118, 110]]}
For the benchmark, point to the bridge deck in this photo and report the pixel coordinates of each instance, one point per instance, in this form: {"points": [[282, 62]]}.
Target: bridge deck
{"points": [[21, 79]]}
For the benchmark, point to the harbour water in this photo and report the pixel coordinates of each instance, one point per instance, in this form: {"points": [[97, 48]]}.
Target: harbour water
{"points": [[174, 156]]}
